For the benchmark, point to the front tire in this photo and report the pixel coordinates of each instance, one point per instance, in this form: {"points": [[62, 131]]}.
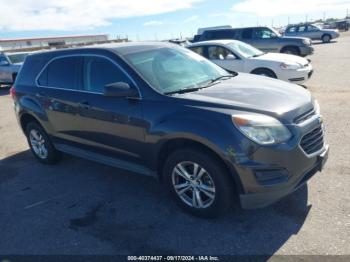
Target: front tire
{"points": [[198, 182], [264, 72], [40, 144], [326, 38], [291, 50]]}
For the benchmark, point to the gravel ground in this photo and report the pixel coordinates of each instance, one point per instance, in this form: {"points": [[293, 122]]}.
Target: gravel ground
{"points": [[79, 207]]}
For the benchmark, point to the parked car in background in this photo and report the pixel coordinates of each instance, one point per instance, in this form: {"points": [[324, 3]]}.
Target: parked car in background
{"points": [[237, 56], [264, 38], [10, 63], [18, 57], [312, 31], [161, 110]]}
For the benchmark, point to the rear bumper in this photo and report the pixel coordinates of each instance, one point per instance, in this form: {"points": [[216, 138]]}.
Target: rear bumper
{"points": [[259, 200]]}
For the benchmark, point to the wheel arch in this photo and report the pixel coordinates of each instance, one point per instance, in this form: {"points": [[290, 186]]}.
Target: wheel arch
{"points": [[171, 145], [264, 68], [26, 118]]}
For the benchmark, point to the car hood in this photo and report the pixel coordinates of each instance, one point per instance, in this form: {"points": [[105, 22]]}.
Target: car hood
{"points": [[257, 94], [281, 58]]}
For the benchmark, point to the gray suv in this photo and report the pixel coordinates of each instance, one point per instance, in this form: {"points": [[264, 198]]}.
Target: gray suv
{"points": [[312, 31], [264, 38], [9, 67], [162, 110]]}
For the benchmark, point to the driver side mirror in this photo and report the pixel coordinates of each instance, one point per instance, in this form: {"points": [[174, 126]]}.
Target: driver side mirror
{"points": [[230, 57], [120, 89]]}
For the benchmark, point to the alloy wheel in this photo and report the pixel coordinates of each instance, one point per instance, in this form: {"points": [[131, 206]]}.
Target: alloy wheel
{"points": [[193, 185], [38, 144]]}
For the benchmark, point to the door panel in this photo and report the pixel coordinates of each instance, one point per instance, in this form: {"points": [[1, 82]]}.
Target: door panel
{"points": [[112, 125], [225, 58], [59, 94]]}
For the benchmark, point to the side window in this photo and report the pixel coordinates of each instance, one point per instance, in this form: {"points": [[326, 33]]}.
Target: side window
{"points": [[247, 33], [302, 29], [198, 49], [222, 34], [292, 29], [218, 53], [62, 73], [99, 72], [264, 33], [312, 28]]}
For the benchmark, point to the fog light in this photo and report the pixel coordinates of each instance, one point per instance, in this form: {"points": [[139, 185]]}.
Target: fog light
{"points": [[271, 176]]}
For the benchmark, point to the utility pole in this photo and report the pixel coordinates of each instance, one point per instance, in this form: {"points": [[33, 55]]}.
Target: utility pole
{"points": [[272, 23], [324, 16], [306, 18], [288, 20]]}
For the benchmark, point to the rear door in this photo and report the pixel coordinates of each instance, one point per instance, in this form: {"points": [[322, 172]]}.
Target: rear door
{"points": [[59, 89], [111, 125]]}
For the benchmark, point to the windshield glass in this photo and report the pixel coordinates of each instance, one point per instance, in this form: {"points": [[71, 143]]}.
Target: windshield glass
{"points": [[174, 69], [17, 58], [245, 50]]}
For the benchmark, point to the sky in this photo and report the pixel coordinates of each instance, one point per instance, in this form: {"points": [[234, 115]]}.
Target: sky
{"points": [[154, 19]]}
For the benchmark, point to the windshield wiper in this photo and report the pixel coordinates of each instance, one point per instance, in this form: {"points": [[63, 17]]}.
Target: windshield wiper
{"points": [[194, 89], [183, 91], [222, 77]]}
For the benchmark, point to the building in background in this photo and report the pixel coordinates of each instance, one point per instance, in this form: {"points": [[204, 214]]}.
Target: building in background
{"points": [[48, 42]]}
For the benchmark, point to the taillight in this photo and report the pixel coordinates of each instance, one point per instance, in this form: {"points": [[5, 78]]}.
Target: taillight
{"points": [[13, 93]]}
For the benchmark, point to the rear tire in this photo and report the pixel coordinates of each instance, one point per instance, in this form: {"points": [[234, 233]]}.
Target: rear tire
{"points": [[291, 50], [204, 189], [264, 72], [40, 144], [326, 38]]}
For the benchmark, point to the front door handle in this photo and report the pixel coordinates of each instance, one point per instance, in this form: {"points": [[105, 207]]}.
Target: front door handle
{"points": [[85, 105]]}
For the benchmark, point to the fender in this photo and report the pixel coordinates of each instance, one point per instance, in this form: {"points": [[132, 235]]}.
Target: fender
{"points": [[30, 106]]}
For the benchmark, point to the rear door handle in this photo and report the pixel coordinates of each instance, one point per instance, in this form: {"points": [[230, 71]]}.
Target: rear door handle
{"points": [[85, 105]]}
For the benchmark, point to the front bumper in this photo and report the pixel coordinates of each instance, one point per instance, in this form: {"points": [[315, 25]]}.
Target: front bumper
{"points": [[299, 76], [268, 173], [259, 200]]}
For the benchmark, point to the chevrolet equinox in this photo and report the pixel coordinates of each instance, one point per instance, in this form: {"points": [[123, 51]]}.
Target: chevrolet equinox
{"points": [[161, 110]]}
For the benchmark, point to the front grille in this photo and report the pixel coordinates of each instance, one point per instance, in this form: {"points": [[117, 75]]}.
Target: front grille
{"points": [[313, 141], [304, 116]]}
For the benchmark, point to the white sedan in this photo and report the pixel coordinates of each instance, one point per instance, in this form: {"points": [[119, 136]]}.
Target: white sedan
{"points": [[237, 56]]}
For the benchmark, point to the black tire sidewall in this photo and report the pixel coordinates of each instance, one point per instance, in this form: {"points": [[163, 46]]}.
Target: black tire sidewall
{"points": [[326, 41], [265, 72], [293, 50], [52, 155], [223, 185]]}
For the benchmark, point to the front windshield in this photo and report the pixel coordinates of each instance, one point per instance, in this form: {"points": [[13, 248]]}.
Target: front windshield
{"points": [[17, 58], [174, 69], [245, 50]]}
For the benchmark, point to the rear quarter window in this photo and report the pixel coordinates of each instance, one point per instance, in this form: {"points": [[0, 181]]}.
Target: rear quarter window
{"points": [[62, 73]]}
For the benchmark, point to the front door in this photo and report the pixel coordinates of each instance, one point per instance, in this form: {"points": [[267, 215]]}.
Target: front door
{"points": [[112, 125], [225, 58]]}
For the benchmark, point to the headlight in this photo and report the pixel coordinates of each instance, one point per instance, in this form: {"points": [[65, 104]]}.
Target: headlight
{"points": [[262, 129], [306, 41], [291, 66]]}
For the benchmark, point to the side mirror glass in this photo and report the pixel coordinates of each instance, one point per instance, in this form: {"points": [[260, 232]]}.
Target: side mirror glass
{"points": [[120, 89]]}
